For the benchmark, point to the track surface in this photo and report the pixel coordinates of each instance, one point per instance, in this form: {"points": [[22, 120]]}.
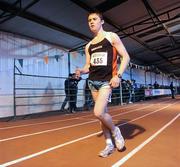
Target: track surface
{"points": [[150, 128]]}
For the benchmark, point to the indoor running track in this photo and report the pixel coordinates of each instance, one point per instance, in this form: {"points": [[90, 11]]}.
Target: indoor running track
{"points": [[151, 130]]}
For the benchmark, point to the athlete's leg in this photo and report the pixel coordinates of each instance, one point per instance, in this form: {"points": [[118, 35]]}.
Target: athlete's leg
{"points": [[100, 108], [100, 111], [107, 134]]}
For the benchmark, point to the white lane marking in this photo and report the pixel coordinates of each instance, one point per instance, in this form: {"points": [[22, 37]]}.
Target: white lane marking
{"points": [[49, 122], [138, 148], [41, 123], [46, 131], [70, 126], [59, 146]]}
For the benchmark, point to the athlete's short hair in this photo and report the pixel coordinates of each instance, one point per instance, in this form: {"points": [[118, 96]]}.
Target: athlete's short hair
{"points": [[98, 13]]}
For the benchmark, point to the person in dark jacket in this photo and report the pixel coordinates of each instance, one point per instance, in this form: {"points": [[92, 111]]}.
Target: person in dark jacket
{"points": [[74, 92], [172, 90], [67, 88], [71, 89]]}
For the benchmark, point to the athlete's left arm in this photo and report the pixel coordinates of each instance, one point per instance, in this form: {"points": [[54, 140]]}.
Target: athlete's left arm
{"points": [[117, 43]]}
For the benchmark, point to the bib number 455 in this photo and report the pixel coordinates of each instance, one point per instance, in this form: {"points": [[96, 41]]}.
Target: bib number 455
{"points": [[99, 59]]}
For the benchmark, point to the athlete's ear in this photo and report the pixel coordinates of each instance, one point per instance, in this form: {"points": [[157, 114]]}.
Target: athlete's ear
{"points": [[102, 22]]}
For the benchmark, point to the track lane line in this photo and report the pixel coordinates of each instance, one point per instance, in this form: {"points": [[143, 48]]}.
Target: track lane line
{"points": [[46, 131]]}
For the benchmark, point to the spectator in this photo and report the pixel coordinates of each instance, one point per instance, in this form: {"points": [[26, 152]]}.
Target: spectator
{"points": [[134, 89], [73, 92], [71, 89], [156, 85], [130, 90], [67, 86], [172, 90]]}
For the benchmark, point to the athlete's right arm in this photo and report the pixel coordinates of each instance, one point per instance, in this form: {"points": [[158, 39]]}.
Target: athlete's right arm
{"points": [[85, 69]]}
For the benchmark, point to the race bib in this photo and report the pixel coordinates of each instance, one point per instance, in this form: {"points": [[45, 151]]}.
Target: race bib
{"points": [[99, 59]]}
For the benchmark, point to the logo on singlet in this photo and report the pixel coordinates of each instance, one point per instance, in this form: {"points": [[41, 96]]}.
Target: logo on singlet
{"points": [[99, 47]]}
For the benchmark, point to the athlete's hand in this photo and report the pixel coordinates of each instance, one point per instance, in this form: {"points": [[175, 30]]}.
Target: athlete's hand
{"points": [[114, 82]]}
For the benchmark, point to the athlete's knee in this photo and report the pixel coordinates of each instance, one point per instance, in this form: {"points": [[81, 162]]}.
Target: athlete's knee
{"points": [[98, 115]]}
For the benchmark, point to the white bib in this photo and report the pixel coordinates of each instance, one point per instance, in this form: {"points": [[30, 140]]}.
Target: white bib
{"points": [[99, 59]]}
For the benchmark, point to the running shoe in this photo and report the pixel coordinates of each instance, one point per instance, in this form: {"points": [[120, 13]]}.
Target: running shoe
{"points": [[109, 149], [119, 140]]}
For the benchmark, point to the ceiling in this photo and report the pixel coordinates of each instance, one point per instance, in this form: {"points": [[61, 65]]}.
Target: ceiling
{"points": [[150, 29]]}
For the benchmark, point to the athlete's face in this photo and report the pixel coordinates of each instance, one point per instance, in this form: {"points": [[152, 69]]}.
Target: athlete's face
{"points": [[95, 22]]}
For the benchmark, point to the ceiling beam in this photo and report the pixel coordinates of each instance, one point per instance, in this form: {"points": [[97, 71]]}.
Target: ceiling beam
{"points": [[108, 4], [32, 17], [160, 61], [21, 10], [83, 5], [153, 15], [144, 21], [171, 49], [151, 31], [5, 15], [158, 37]]}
